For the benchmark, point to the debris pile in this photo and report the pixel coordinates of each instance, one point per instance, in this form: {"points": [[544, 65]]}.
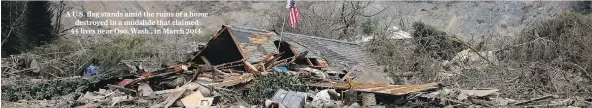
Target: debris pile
{"points": [[335, 73], [489, 97], [221, 70]]}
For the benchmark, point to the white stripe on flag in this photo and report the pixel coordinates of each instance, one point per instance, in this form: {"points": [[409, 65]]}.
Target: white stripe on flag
{"points": [[293, 17]]}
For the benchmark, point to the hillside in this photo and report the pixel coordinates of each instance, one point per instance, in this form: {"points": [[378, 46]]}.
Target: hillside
{"points": [[339, 54]]}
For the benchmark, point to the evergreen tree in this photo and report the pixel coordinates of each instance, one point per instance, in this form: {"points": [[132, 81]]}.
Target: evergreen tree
{"points": [[39, 23]]}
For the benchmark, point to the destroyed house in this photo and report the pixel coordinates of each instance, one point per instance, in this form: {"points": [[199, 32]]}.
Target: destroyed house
{"points": [[235, 43]]}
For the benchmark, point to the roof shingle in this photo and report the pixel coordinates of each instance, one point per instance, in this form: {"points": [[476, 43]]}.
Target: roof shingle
{"points": [[341, 55]]}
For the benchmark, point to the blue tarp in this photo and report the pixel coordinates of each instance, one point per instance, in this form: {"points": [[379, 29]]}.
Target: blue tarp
{"points": [[91, 70]]}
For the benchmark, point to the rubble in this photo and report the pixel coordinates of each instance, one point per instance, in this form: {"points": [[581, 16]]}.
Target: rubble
{"points": [[273, 104], [289, 99], [326, 95], [196, 99], [230, 60], [380, 87], [490, 98], [145, 89], [226, 66]]}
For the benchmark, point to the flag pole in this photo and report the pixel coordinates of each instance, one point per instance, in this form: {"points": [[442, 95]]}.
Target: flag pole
{"points": [[281, 32]]}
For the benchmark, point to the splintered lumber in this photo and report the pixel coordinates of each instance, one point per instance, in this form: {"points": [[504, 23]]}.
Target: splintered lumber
{"points": [[535, 99], [351, 83], [266, 58], [380, 87], [413, 88], [233, 80], [150, 77], [207, 62], [347, 85], [197, 73], [145, 89], [229, 63], [209, 65], [196, 100], [250, 68], [190, 86], [176, 95]]}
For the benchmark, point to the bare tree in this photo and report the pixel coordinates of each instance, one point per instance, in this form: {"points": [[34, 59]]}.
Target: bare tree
{"points": [[337, 20], [13, 19], [59, 9]]}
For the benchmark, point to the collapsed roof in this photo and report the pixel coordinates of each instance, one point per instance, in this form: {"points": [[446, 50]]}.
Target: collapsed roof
{"points": [[234, 43]]}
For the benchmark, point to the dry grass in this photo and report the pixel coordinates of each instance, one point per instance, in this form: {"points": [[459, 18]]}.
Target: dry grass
{"points": [[68, 58], [549, 57], [421, 55], [553, 56], [398, 57]]}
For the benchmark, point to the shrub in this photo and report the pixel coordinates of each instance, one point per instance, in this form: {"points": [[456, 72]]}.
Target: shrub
{"points": [[566, 40], [437, 44], [109, 55], [69, 59], [550, 57], [368, 26], [25, 89], [398, 57], [420, 55], [266, 86]]}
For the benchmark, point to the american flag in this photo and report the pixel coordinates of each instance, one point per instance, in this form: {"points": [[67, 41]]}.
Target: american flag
{"points": [[293, 13]]}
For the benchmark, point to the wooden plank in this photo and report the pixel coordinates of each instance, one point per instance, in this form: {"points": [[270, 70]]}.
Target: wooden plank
{"points": [[196, 100], [234, 80], [250, 68], [167, 91], [145, 89], [347, 85], [208, 64], [370, 85], [169, 101], [385, 88], [414, 88], [380, 87], [335, 85], [197, 74]]}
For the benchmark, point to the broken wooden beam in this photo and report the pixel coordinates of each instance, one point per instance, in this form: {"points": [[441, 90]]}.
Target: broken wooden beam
{"points": [[212, 67], [414, 88], [382, 88], [233, 80], [535, 99], [176, 95], [229, 63], [147, 78]]}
